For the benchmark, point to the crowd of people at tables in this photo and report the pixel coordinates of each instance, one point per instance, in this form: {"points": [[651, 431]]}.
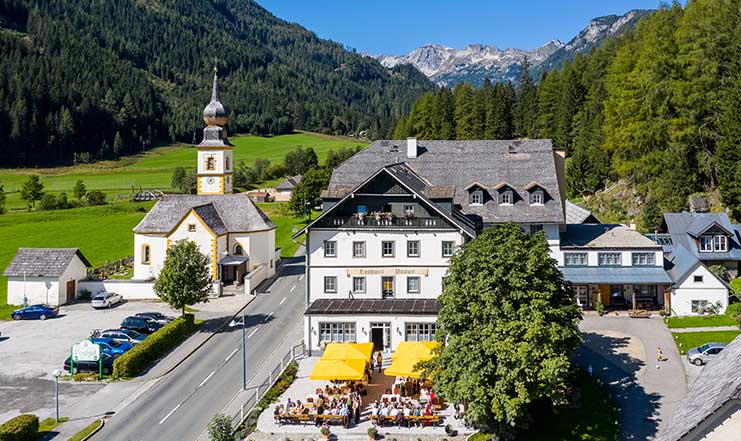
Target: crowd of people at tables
{"points": [[345, 402]]}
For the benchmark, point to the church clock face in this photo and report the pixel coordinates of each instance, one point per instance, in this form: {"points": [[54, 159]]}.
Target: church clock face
{"points": [[210, 180]]}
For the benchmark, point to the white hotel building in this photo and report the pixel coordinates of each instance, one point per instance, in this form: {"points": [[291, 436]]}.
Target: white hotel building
{"points": [[396, 212]]}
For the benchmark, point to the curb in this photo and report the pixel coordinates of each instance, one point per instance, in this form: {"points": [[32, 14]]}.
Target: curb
{"points": [[90, 435]]}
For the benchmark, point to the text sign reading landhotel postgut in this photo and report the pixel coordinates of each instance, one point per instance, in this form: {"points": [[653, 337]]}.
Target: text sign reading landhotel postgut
{"points": [[85, 351], [387, 271]]}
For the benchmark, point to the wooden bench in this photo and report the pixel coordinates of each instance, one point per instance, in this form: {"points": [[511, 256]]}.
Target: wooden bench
{"points": [[304, 418], [329, 418]]}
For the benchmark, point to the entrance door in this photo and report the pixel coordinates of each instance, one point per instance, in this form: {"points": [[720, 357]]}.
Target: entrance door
{"points": [[71, 291], [381, 336], [581, 293]]}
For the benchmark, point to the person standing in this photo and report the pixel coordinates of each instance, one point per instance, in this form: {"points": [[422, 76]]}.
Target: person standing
{"points": [[379, 360]]}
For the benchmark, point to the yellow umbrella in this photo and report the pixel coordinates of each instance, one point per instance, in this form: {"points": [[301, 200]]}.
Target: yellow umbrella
{"points": [[403, 367], [415, 350], [338, 370], [348, 351]]}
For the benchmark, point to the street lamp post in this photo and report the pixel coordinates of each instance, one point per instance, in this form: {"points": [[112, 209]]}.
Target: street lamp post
{"points": [[56, 373], [244, 348]]}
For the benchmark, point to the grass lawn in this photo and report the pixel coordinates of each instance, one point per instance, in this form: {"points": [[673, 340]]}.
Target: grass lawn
{"points": [[700, 320], [153, 169], [102, 233], [48, 425], [687, 340], [90, 428], [285, 222], [594, 418]]}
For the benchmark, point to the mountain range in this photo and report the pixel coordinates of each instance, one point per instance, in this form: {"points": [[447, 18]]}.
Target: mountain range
{"points": [[447, 66]]}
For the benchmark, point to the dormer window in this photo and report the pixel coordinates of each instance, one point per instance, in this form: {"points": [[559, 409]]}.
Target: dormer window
{"points": [[506, 197], [536, 197], [713, 243], [476, 197]]}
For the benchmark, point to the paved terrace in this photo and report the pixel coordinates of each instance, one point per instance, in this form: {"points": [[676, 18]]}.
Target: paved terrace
{"points": [[303, 386]]}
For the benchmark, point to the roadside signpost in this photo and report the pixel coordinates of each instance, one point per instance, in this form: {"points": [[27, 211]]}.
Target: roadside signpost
{"points": [[86, 351]]}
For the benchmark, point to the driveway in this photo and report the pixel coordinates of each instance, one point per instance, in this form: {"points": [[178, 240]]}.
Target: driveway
{"points": [[622, 352], [32, 349]]}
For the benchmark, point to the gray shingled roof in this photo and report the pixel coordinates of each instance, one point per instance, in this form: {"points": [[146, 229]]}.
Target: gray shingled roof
{"points": [[374, 306], [42, 262], [228, 213], [289, 183], [604, 236], [578, 215], [681, 227], [680, 263], [461, 163], [718, 383]]}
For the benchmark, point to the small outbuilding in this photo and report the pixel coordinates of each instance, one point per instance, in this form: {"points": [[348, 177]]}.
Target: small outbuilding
{"points": [[284, 190], [45, 275]]}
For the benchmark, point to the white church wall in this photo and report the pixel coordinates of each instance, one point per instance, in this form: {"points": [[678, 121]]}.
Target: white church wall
{"points": [[157, 248], [129, 289]]}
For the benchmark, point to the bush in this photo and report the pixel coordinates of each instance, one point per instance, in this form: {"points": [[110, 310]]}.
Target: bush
{"points": [[96, 197], [600, 307], [372, 432], [48, 202], [154, 347], [734, 310], [84, 294], [736, 286], [324, 431], [24, 427], [220, 428]]}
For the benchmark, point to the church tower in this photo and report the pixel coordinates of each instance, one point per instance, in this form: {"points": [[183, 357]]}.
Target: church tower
{"points": [[215, 156]]}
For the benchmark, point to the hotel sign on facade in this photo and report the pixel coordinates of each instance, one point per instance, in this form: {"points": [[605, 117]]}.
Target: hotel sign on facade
{"points": [[387, 271]]}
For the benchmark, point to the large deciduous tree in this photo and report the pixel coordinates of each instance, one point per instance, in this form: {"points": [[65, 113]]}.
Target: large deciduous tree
{"points": [[306, 194], [184, 279], [509, 327], [32, 190]]}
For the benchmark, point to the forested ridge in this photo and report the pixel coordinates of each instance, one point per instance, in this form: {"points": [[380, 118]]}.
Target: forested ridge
{"points": [[658, 107], [104, 79]]}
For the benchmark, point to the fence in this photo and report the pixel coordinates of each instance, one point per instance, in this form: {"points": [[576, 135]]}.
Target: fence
{"points": [[257, 392]]}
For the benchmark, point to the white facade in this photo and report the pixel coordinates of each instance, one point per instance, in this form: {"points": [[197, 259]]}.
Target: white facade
{"points": [[699, 288], [215, 170], [47, 290], [626, 256]]}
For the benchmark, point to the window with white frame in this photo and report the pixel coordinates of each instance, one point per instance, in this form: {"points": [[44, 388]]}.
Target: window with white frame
{"points": [[408, 210], [413, 284], [644, 259], [575, 259], [387, 248], [330, 248], [387, 286], [420, 332], [330, 284], [476, 197], [699, 306], [698, 279], [536, 197], [706, 243], [337, 332], [358, 249], [720, 244], [358, 285], [191, 228], [412, 248], [609, 259], [448, 248], [506, 197]]}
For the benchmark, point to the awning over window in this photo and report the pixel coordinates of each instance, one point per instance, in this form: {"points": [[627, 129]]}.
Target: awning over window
{"points": [[233, 260], [607, 275]]}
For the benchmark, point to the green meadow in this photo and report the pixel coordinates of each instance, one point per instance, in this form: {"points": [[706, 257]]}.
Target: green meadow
{"points": [[103, 233], [153, 169]]}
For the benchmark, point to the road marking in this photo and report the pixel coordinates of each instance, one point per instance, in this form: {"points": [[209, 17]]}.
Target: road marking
{"points": [[253, 332], [232, 354], [281, 302], [206, 379], [168, 415], [293, 287], [268, 317], [301, 278]]}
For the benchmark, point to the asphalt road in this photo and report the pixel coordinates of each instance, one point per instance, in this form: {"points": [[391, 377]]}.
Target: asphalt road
{"points": [[180, 405]]}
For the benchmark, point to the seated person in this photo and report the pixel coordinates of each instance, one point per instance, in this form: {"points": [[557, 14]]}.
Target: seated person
{"points": [[290, 404], [384, 411], [374, 408], [277, 412]]}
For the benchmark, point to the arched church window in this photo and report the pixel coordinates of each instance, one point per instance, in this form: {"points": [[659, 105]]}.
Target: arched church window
{"points": [[226, 162], [146, 254], [238, 250]]}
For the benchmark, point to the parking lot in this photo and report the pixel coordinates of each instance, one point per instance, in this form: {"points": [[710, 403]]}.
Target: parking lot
{"points": [[34, 348]]}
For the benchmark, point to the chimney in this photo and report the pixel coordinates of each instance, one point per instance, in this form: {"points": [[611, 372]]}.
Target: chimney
{"points": [[411, 147]]}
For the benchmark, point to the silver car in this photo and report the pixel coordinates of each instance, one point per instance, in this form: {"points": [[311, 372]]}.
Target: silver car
{"points": [[105, 300], [124, 335], [705, 353]]}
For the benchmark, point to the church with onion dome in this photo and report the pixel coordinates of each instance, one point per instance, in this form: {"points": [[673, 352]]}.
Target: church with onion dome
{"points": [[228, 227]]}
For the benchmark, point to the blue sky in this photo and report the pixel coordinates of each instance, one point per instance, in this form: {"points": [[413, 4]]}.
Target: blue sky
{"points": [[398, 26]]}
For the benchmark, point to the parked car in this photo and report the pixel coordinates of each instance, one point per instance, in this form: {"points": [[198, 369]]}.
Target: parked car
{"points": [[124, 335], [156, 316], [41, 312], [705, 353], [92, 366], [140, 324], [105, 300], [111, 346]]}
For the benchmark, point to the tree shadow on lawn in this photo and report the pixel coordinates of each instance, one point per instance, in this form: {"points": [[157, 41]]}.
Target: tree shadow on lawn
{"points": [[618, 370]]}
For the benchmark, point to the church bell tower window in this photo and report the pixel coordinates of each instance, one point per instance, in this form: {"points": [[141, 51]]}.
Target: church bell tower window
{"points": [[210, 163]]}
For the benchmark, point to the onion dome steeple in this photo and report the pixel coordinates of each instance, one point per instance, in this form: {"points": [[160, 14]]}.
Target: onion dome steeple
{"points": [[215, 114]]}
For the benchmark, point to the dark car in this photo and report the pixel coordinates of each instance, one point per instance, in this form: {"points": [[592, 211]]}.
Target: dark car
{"points": [[92, 366], [140, 324], [124, 335], [156, 316], [41, 312], [111, 346]]}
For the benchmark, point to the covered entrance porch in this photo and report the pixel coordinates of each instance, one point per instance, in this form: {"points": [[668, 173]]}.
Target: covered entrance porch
{"points": [[233, 269]]}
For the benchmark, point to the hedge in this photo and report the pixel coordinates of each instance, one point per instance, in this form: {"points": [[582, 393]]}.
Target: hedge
{"points": [[24, 427], [154, 347]]}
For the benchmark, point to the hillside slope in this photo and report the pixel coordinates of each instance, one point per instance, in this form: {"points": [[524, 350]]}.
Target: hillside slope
{"points": [[110, 78]]}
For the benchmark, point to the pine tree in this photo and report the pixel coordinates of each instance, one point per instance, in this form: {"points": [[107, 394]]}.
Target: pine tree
{"points": [[444, 114], [570, 98], [549, 93], [465, 120], [526, 105], [117, 145]]}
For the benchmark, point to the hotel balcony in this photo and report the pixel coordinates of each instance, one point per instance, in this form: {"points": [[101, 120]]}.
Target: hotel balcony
{"points": [[385, 222]]}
